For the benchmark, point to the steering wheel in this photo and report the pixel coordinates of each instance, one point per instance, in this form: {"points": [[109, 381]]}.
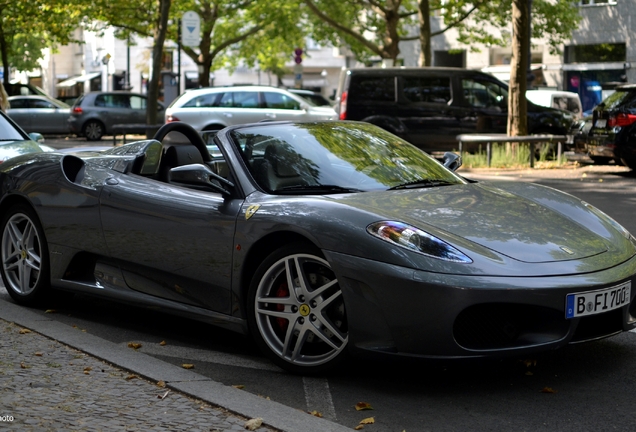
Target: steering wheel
{"points": [[189, 132]]}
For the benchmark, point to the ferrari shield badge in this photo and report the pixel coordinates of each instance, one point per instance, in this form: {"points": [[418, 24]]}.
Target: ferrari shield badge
{"points": [[251, 210]]}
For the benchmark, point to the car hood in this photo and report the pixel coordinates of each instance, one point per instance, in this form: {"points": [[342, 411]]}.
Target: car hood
{"points": [[9, 149], [529, 223]]}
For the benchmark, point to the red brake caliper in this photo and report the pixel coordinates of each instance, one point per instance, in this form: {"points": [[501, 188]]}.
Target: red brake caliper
{"points": [[282, 291]]}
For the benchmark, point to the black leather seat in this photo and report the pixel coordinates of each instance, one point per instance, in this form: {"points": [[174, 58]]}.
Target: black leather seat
{"points": [[178, 155]]}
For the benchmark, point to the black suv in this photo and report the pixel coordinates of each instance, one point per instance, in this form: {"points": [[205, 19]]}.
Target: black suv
{"points": [[611, 131], [429, 107]]}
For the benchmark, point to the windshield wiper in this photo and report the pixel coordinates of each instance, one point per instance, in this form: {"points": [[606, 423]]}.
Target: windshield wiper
{"points": [[422, 183], [317, 189]]}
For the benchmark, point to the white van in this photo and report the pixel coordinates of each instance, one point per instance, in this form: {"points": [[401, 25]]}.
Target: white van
{"points": [[564, 100]]}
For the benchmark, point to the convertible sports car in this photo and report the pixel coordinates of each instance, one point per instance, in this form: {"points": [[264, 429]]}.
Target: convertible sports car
{"points": [[320, 239]]}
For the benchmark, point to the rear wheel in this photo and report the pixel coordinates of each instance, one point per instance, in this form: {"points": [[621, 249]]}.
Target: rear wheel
{"points": [[297, 312], [24, 253], [93, 130]]}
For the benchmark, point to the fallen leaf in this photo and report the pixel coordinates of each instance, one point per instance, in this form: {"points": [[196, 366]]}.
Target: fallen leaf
{"points": [[39, 354], [316, 414], [187, 366], [25, 331], [86, 372], [367, 421], [529, 373], [134, 345], [600, 180], [254, 423], [50, 311], [163, 396], [239, 386], [131, 377], [161, 384], [362, 406], [529, 363], [548, 390], [359, 427], [162, 343], [23, 365]]}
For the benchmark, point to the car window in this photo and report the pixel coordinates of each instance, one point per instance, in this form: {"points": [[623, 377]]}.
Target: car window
{"points": [[239, 99], [137, 102], [484, 94], [41, 104], [203, 101], [19, 103], [620, 98], [427, 89], [112, 101], [372, 89], [280, 101]]}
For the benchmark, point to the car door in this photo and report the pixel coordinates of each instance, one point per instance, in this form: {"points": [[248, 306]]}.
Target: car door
{"points": [[239, 107], [484, 105], [424, 109], [112, 109], [20, 113], [280, 106], [46, 117], [173, 242]]}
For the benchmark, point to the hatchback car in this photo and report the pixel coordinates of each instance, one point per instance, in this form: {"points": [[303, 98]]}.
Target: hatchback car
{"points": [[429, 107], [40, 114], [94, 114], [214, 108], [612, 127]]}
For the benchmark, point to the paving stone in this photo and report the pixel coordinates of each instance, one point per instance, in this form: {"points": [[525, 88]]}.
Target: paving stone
{"points": [[47, 386]]}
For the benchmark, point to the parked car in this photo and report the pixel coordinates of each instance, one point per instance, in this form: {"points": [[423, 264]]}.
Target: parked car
{"points": [[15, 142], [94, 114], [20, 89], [429, 107], [612, 127], [40, 114], [564, 100], [214, 108], [313, 97], [320, 239]]}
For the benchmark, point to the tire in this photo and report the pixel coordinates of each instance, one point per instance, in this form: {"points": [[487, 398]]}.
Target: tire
{"points": [[630, 163], [24, 253], [303, 330], [93, 130]]}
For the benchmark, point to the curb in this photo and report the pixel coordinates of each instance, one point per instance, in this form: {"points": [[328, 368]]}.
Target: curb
{"points": [[274, 414]]}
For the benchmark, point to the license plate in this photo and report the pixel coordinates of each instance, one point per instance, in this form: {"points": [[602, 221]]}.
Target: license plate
{"points": [[600, 123], [595, 302]]}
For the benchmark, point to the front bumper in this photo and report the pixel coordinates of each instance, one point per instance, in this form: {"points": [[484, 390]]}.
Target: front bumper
{"points": [[401, 311]]}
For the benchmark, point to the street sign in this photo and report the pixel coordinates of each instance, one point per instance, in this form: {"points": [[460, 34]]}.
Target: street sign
{"points": [[190, 29]]}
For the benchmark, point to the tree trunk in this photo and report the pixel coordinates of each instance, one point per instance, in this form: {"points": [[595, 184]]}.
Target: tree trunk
{"points": [[424, 15], [157, 56], [517, 106]]}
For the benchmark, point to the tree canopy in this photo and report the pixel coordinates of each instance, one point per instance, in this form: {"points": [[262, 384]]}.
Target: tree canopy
{"points": [[27, 27]]}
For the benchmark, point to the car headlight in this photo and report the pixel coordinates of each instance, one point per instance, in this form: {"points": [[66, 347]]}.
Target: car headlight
{"points": [[416, 240]]}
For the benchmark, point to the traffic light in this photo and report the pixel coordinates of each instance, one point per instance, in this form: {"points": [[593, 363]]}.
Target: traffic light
{"points": [[298, 55]]}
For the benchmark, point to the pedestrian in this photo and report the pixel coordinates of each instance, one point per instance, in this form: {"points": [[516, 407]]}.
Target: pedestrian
{"points": [[4, 99]]}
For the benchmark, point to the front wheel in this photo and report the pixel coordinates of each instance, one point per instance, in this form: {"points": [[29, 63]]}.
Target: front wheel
{"points": [[297, 312], [25, 262]]}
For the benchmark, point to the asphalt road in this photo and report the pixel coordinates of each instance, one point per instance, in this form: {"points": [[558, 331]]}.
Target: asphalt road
{"points": [[578, 388]]}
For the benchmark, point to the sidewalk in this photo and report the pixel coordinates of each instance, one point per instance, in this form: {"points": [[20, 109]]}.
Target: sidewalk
{"points": [[56, 377]]}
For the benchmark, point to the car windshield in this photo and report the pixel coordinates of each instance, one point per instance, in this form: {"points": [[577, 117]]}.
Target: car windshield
{"points": [[332, 157], [8, 132]]}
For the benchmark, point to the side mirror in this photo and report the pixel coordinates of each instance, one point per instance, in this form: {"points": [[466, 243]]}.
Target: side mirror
{"points": [[452, 161], [199, 176], [37, 137]]}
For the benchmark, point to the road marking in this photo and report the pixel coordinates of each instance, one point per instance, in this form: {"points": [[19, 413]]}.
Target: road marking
{"points": [[208, 356], [318, 397]]}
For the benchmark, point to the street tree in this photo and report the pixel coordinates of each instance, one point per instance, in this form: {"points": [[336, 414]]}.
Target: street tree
{"points": [[147, 18], [242, 31], [27, 27]]}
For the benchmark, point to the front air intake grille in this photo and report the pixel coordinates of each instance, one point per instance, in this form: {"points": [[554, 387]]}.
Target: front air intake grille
{"points": [[598, 326], [502, 325]]}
